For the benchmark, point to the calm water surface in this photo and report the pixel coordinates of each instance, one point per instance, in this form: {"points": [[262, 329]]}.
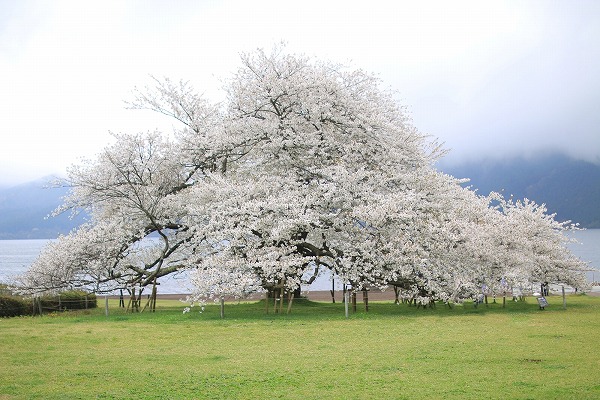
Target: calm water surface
{"points": [[17, 255]]}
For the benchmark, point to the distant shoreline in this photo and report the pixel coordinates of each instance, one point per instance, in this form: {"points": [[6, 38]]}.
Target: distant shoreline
{"points": [[324, 295]]}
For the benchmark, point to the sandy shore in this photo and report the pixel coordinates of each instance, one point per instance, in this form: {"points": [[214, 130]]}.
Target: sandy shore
{"points": [[374, 295], [324, 295]]}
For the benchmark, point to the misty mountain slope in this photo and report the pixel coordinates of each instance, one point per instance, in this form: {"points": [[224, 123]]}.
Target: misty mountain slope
{"points": [[570, 188], [24, 208]]}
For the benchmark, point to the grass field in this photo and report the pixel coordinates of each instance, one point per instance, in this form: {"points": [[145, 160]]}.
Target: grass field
{"points": [[391, 352]]}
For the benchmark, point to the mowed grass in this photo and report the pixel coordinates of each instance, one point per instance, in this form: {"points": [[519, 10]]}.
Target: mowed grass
{"points": [[392, 352]]}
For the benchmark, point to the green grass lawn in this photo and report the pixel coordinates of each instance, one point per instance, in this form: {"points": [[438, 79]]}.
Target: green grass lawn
{"points": [[391, 352]]}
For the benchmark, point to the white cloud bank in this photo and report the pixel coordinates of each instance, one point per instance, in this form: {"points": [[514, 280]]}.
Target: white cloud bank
{"points": [[488, 78]]}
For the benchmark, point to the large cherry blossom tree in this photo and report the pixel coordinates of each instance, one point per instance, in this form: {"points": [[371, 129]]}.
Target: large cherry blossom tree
{"points": [[307, 166]]}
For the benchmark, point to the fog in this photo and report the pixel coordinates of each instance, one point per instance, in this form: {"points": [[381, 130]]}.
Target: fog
{"points": [[487, 79]]}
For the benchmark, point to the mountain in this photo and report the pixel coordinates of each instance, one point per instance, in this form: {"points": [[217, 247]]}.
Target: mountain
{"points": [[24, 208], [569, 187]]}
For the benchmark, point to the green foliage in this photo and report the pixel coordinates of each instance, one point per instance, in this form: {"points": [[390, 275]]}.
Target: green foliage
{"points": [[393, 351], [69, 300], [12, 306], [5, 289]]}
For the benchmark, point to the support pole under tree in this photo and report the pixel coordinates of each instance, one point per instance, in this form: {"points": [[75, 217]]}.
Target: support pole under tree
{"points": [[564, 298], [290, 300], [153, 296], [138, 303], [222, 301], [346, 301], [106, 305], [267, 301], [332, 291]]}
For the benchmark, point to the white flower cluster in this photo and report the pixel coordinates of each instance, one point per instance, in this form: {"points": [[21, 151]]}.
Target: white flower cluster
{"points": [[307, 165]]}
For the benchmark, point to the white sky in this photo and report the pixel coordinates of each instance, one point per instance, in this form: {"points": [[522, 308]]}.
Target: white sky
{"points": [[487, 78]]}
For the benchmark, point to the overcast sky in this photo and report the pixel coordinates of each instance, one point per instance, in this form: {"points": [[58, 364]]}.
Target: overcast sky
{"points": [[487, 78]]}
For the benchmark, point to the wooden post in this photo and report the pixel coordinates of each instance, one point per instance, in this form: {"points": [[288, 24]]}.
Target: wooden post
{"points": [[332, 291], [504, 300], [346, 301], [106, 304], [154, 293], [139, 300], [275, 300], [564, 298], [290, 300], [366, 299], [59, 305], [281, 297], [148, 303], [132, 298], [353, 301], [267, 301], [40, 305], [222, 307]]}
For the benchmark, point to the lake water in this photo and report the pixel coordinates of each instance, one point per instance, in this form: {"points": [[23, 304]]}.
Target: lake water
{"points": [[17, 255]]}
